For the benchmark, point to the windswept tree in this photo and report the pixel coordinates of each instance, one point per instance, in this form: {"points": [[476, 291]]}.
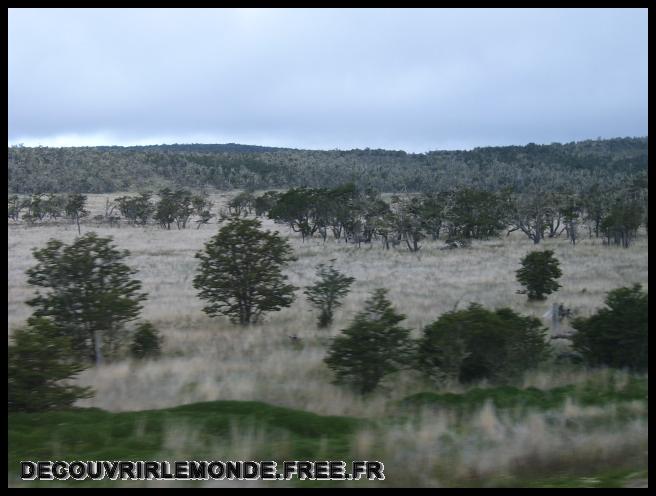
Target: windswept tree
{"points": [[326, 294], [297, 207], [15, 205], [40, 366], [620, 225], [137, 209], [373, 346], [88, 292], [202, 206], [265, 202], [75, 210], [407, 220], [240, 272]]}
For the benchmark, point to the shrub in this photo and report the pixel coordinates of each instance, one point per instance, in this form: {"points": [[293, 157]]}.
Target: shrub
{"points": [[616, 336], [477, 343], [147, 342]]}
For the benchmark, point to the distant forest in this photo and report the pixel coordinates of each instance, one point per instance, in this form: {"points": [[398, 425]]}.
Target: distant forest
{"points": [[571, 166]]}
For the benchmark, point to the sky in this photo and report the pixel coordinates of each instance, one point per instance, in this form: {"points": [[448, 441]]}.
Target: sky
{"points": [[402, 79]]}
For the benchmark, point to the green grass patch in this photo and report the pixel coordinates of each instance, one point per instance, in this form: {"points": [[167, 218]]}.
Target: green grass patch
{"points": [[507, 397], [93, 434]]}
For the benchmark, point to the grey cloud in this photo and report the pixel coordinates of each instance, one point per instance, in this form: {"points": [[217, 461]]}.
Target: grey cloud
{"points": [[414, 79]]}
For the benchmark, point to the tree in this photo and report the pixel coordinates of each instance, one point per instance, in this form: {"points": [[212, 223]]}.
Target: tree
{"points": [[147, 342], [297, 207], [265, 202], [621, 223], [40, 362], [75, 204], [89, 293], [327, 292], [174, 207], [616, 336], [241, 203], [202, 208], [477, 343], [240, 272], [475, 214], [15, 205], [373, 346], [137, 209], [538, 274]]}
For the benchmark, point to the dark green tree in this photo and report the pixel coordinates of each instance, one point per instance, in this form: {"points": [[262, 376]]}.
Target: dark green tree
{"points": [[477, 343], [373, 346], [240, 272], [40, 364], [616, 336], [146, 342], [88, 292], [326, 294], [538, 274]]}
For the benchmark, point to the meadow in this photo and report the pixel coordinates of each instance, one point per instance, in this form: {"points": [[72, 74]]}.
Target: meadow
{"points": [[228, 392]]}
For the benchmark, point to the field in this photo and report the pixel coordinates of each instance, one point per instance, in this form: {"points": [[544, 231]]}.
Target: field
{"points": [[249, 392]]}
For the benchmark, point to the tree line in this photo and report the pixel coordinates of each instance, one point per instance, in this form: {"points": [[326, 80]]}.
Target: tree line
{"points": [[353, 215], [458, 216]]}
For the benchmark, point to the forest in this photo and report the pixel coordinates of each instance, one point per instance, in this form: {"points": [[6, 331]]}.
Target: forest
{"points": [[569, 166]]}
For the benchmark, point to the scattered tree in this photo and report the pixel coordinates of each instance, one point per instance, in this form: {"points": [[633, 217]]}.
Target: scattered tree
{"points": [[326, 294], [240, 272], [89, 293], [373, 346], [538, 274]]}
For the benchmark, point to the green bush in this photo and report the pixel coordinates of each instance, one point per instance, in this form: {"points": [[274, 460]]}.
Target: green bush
{"points": [[477, 343], [616, 336]]}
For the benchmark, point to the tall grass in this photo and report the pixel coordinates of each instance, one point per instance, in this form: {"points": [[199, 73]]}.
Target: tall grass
{"points": [[210, 359]]}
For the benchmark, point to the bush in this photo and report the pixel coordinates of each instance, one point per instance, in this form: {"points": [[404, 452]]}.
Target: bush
{"points": [[147, 342], [477, 343], [40, 360], [538, 274], [615, 336], [372, 347]]}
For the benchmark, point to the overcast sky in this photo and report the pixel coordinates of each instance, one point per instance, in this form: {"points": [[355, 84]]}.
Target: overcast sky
{"points": [[410, 79]]}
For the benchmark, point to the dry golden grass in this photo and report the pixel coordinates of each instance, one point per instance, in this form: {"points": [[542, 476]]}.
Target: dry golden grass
{"points": [[208, 359]]}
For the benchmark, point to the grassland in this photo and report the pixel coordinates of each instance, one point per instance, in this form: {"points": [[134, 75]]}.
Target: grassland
{"points": [[248, 393]]}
